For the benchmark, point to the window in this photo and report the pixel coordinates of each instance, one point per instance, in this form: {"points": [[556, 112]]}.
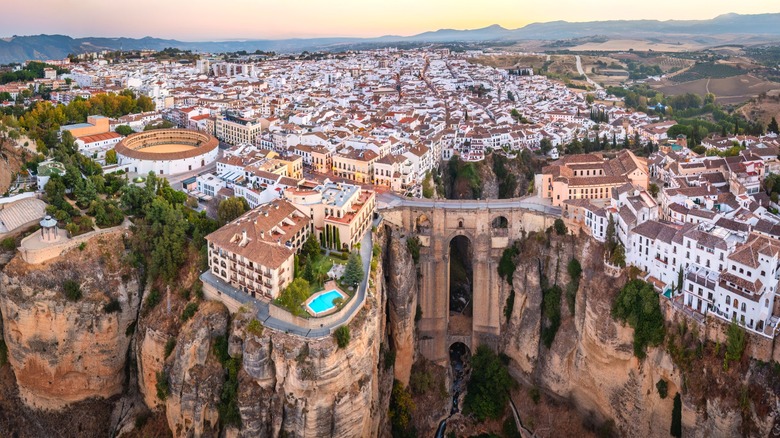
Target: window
{"points": [[728, 300], [743, 307]]}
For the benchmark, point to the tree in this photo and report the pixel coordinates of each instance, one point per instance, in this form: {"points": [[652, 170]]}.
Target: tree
{"points": [[560, 227], [400, 412], [590, 98], [342, 336], [545, 146], [637, 305], [735, 344], [676, 428], [353, 272], [111, 157], [773, 126], [488, 388], [653, 189], [231, 208], [662, 386], [124, 130], [294, 295]]}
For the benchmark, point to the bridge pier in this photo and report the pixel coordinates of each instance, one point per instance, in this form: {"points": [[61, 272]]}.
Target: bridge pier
{"points": [[437, 223]]}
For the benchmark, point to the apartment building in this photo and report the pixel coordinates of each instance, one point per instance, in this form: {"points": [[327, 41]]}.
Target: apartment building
{"points": [[237, 130], [726, 273], [255, 253], [355, 164], [340, 213]]}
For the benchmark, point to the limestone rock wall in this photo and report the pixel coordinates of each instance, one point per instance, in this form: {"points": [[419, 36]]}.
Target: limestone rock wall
{"points": [[402, 292], [309, 387], [591, 361], [64, 351], [195, 375]]}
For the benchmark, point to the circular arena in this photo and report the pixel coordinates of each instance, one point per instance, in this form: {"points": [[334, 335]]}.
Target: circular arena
{"points": [[166, 151]]}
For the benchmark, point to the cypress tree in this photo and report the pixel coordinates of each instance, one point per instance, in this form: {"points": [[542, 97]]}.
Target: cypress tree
{"points": [[773, 126]]}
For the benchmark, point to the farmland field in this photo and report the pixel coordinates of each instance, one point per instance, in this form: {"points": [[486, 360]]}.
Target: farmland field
{"points": [[708, 70], [731, 90]]}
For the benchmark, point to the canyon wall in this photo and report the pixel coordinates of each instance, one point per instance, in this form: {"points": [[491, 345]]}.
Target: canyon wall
{"points": [[66, 350], [591, 361]]}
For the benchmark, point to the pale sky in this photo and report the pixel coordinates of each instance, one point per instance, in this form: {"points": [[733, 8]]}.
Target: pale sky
{"points": [[200, 20]]}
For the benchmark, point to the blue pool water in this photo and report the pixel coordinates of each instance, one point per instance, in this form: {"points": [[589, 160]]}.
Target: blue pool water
{"points": [[324, 302]]}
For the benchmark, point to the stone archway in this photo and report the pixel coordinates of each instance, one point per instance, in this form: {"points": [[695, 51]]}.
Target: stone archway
{"points": [[461, 285]]}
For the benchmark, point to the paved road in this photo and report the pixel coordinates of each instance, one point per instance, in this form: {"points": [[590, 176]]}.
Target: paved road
{"points": [[392, 200], [582, 72]]}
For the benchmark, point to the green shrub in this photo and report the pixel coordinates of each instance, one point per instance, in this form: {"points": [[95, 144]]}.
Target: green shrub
{"points": [[229, 415], [189, 311], [169, 346], [8, 244], [142, 419], [72, 290], [220, 349], [662, 388], [575, 274], [421, 381], [112, 306], [255, 327], [510, 428], [487, 393], [560, 227], [413, 245], [342, 336], [400, 412], [153, 298], [163, 390], [506, 266], [735, 344], [637, 305], [82, 246]]}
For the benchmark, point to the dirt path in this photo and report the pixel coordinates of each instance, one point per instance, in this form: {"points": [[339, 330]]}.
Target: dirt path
{"points": [[581, 71]]}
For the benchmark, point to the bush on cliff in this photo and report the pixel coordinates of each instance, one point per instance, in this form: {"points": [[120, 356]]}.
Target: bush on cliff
{"points": [[163, 390], [72, 290], [488, 389], [342, 336], [637, 304], [400, 412]]}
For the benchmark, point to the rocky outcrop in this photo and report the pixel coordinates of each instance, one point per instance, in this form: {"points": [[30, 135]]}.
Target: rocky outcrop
{"points": [[66, 350], [196, 376], [401, 274], [591, 362], [303, 387]]}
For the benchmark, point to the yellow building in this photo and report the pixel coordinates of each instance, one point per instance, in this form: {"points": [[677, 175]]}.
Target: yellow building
{"points": [[356, 165]]}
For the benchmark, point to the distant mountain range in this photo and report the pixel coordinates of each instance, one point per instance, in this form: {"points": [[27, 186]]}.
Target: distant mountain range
{"points": [[21, 48]]}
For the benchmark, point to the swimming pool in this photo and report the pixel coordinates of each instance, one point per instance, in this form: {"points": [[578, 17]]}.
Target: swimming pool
{"points": [[324, 302]]}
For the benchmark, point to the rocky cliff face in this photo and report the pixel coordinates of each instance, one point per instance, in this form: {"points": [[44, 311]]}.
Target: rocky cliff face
{"points": [[591, 361], [401, 303], [63, 351], [309, 387], [196, 376]]}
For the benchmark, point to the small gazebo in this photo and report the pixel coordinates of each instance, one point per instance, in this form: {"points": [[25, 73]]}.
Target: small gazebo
{"points": [[49, 230]]}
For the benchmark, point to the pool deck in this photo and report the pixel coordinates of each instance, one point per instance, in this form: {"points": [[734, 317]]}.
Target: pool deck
{"points": [[329, 286]]}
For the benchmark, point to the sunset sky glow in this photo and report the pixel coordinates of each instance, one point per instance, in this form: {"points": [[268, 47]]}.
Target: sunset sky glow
{"points": [[199, 20]]}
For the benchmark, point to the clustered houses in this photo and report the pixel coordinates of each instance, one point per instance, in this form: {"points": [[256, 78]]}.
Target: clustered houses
{"points": [[341, 213], [344, 115], [725, 272], [590, 176], [257, 175], [255, 253]]}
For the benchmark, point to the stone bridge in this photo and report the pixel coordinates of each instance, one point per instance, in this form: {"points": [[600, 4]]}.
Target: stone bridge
{"points": [[490, 226]]}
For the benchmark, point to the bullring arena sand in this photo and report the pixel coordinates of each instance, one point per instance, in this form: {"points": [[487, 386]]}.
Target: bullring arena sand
{"points": [[166, 148]]}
